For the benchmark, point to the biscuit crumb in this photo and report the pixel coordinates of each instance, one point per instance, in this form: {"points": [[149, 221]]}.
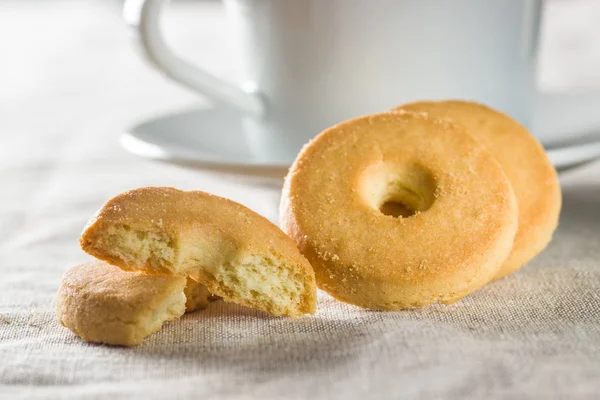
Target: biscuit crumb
{"points": [[35, 321]]}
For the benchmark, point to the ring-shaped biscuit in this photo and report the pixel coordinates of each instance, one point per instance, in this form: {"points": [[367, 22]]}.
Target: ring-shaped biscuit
{"points": [[462, 230]]}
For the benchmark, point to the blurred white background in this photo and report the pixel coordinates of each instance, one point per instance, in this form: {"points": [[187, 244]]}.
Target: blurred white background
{"points": [[49, 45]]}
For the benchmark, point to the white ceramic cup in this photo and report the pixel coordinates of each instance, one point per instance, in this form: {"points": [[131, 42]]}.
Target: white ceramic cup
{"points": [[308, 64]]}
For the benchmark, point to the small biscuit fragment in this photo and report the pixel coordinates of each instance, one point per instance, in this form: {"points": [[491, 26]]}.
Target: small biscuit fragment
{"points": [[197, 296], [238, 254], [101, 303]]}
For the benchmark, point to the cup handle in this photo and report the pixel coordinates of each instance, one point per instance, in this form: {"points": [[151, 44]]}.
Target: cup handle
{"points": [[144, 16]]}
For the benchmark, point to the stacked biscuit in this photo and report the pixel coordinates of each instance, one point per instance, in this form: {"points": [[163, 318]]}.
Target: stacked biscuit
{"points": [[482, 199], [422, 204]]}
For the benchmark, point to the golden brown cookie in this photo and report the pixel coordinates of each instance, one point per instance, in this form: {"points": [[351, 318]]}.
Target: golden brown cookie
{"points": [[464, 222], [101, 303], [238, 254], [522, 157]]}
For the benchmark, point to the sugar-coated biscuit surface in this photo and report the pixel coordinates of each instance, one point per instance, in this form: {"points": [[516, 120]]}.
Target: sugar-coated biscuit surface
{"points": [[526, 165], [461, 233], [101, 303], [238, 254]]}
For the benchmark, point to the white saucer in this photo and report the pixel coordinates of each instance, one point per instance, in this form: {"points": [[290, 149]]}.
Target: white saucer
{"points": [[214, 139], [210, 139]]}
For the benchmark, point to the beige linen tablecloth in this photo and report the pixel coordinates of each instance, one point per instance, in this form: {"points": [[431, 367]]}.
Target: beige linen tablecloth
{"points": [[69, 87]]}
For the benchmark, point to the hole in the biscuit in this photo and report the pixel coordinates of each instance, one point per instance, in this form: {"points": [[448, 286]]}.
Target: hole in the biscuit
{"points": [[398, 190], [396, 209]]}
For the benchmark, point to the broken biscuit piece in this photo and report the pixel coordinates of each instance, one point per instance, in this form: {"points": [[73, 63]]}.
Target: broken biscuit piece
{"points": [[104, 304], [238, 254]]}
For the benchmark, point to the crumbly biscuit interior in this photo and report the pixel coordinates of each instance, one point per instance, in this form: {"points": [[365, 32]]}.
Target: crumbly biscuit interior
{"points": [[196, 294], [258, 281], [153, 249], [171, 309]]}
